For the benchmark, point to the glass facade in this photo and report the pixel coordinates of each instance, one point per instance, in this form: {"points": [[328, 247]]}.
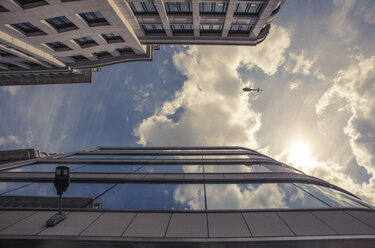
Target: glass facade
{"points": [[193, 196], [157, 180]]}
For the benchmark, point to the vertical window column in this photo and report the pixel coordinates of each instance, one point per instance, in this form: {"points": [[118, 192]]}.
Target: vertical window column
{"points": [[229, 17], [159, 4]]}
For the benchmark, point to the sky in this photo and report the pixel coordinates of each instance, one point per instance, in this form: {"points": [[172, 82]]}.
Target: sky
{"points": [[316, 111]]}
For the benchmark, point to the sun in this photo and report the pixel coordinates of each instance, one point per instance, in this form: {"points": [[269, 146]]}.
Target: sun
{"points": [[299, 154]]}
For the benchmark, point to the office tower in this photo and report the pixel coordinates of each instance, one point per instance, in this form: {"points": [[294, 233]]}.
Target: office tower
{"points": [[63, 41], [178, 197]]}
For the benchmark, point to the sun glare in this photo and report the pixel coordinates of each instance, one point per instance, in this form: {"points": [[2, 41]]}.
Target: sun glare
{"points": [[299, 153]]}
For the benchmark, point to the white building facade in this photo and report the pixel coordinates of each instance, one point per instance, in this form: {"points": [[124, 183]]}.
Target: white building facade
{"points": [[65, 40]]}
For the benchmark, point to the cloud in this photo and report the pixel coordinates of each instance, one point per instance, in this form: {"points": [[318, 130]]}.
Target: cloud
{"points": [[210, 109], [355, 86], [298, 63], [366, 10], [11, 89], [294, 85], [341, 26], [10, 139]]}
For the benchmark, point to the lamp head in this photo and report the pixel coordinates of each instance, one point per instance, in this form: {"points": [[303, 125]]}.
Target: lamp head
{"points": [[62, 179]]}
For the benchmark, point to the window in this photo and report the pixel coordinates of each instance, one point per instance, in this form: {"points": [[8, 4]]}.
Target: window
{"points": [[94, 19], [102, 54], [153, 28], [112, 37], [58, 46], [85, 42], [2, 9], [61, 24], [178, 7], [28, 4], [28, 29], [213, 7], [248, 8], [143, 8], [211, 28], [78, 58], [240, 29], [126, 51], [182, 28]]}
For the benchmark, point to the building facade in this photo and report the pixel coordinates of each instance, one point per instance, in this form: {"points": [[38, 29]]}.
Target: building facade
{"points": [[178, 197], [63, 41]]}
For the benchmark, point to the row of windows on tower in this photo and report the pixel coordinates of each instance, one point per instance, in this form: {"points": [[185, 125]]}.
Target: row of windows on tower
{"points": [[242, 8], [86, 41], [62, 24], [204, 28]]}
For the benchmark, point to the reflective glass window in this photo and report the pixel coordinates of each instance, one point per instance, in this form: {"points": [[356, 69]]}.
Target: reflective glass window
{"points": [[28, 28], [41, 167], [104, 156], [213, 7], [94, 18], [153, 28], [259, 196], [61, 22], [178, 7], [208, 28], [332, 197], [232, 168], [279, 168], [179, 157], [182, 27], [143, 7], [171, 169], [8, 186], [243, 29], [248, 8], [232, 156], [75, 190], [154, 196], [109, 168]]}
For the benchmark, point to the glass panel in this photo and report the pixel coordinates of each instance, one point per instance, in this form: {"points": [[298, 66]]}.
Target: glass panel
{"points": [[235, 168], [234, 156], [259, 196], [44, 167], [332, 197], [7, 186], [154, 196], [179, 157], [113, 156], [213, 7], [279, 168], [109, 168], [75, 190], [171, 169]]}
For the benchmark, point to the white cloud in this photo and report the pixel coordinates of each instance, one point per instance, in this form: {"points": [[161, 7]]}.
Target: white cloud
{"points": [[298, 63], [356, 86], [11, 89], [294, 85], [341, 26], [210, 109], [10, 139]]}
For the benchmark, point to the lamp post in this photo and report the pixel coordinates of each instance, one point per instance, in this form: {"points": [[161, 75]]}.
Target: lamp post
{"points": [[61, 182]]}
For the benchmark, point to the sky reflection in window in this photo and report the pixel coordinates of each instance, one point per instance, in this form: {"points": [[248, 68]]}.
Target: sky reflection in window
{"points": [[332, 197], [259, 196], [171, 169], [42, 167], [154, 196], [235, 168]]}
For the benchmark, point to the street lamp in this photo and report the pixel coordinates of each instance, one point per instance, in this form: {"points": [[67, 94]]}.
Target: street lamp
{"points": [[61, 182]]}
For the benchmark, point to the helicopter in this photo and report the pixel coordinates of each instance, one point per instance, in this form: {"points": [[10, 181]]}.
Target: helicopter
{"points": [[251, 90]]}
